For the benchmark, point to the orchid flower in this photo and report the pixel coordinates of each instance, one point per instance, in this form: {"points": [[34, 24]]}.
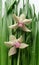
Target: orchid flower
{"points": [[14, 43], [20, 22]]}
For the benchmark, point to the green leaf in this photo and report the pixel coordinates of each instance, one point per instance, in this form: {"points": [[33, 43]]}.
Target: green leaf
{"points": [[9, 3], [0, 27], [34, 32], [38, 41], [34, 10], [4, 57], [9, 22], [4, 50]]}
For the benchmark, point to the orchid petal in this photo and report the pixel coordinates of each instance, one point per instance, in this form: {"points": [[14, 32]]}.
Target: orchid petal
{"points": [[16, 17], [27, 21], [23, 45], [12, 51], [26, 29], [13, 26], [22, 16], [9, 44], [20, 39], [12, 38]]}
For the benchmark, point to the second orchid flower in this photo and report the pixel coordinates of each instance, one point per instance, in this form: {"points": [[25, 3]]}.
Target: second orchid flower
{"points": [[14, 43]]}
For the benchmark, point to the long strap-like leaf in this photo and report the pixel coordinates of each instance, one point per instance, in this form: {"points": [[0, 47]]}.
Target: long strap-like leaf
{"points": [[0, 27], [9, 4], [38, 41], [3, 47]]}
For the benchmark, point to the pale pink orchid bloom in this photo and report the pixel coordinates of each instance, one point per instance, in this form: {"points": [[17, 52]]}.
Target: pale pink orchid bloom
{"points": [[20, 22], [14, 43]]}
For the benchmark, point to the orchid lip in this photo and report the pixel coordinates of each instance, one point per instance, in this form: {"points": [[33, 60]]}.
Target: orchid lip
{"points": [[20, 24], [17, 44]]}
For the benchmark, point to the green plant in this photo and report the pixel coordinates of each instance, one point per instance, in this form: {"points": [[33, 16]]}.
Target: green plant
{"points": [[29, 55]]}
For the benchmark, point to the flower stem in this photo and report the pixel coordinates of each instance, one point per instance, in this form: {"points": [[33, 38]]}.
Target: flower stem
{"points": [[18, 60]]}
